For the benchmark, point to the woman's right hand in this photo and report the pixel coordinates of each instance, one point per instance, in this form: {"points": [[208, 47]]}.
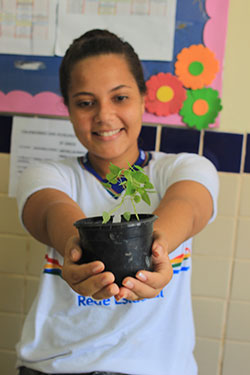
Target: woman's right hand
{"points": [[86, 279]]}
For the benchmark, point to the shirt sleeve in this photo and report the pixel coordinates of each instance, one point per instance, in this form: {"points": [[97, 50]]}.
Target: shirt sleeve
{"points": [[38, 177], [180, 167]]}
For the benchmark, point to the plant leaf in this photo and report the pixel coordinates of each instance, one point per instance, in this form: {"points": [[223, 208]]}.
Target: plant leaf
{"points": [[123, 183], [114, 169], [138, 167], [127, 174], [148, 185], [105, 217], [141, 177], [130, 189], [137, 198], [126, 215], [111, 178], [145, 197], [106, 184]]}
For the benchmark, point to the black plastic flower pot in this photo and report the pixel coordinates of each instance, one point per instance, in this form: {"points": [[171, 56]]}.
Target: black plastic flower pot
{"points": [[123, 247]]}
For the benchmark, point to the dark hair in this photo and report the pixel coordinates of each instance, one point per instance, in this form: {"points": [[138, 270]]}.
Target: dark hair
{"points": [[98, 42]]}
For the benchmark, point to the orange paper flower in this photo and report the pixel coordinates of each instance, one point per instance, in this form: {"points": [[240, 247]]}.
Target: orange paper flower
{"points": [[196, 66], [165, 94]]}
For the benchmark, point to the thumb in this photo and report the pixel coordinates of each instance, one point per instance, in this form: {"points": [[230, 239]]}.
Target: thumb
{"points": [[158, 252], [160, 245], [75, 254]]}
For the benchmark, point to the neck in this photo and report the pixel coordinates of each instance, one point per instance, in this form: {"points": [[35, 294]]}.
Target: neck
{"points": [[101, 166]]}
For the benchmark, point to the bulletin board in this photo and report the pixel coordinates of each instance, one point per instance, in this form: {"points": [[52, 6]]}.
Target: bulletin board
{"points": [[200, 24]]}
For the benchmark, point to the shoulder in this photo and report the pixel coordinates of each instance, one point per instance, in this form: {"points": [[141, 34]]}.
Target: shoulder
{"points": [[166, 169], [50, 169], [60, 175], [182, 163]]}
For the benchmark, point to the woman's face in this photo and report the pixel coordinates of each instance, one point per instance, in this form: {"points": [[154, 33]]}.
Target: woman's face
{"points": [[106, 108]]}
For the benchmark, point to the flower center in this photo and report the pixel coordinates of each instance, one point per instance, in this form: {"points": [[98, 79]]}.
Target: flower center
{"points": [[200, 107], [165, 94], [195, 68]]}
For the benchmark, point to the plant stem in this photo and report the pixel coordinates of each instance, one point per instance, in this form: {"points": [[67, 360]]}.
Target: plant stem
{"points": [[116, 207], [137, 217]]}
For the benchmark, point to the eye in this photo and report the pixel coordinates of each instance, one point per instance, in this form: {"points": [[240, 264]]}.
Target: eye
{"points": [[121, 98], [86, 103]]}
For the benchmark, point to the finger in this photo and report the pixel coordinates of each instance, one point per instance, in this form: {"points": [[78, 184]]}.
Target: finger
{"points": [[136, 289], [148, 284], [127, 294], [159, 240], [73, 248], [156, 280], [72, 254], [107, 292], [133, 289], [94, 284], [75, 274], [162, 268]]}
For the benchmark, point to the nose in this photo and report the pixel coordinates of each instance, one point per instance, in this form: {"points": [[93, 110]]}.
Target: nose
{"points": [[104, 112]]}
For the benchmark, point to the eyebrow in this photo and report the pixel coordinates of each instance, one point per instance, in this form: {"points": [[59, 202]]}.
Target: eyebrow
{"points": [[91, 94]]}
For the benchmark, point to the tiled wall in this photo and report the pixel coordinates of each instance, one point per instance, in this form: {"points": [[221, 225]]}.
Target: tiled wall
{"points": [[221, 256]]}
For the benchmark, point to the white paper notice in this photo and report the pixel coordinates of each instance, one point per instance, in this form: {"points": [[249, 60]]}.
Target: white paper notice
{"points": [[34, 140], [148, 25], [28, 26]]}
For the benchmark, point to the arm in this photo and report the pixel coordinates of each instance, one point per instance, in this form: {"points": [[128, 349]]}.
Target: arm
{"points": [[184, 210], [49, 215]]}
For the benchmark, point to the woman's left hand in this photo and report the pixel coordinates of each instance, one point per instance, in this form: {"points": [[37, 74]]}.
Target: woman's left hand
{"points": [[148, 284]]}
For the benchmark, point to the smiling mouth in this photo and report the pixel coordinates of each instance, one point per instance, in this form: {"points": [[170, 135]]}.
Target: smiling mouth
{"points": [[108, 133]]}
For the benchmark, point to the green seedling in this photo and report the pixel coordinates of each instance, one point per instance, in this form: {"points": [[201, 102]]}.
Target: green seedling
{"points": [[136, 185]]}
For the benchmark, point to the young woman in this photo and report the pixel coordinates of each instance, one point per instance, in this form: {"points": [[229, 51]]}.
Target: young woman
{"points": [[83, 322]]}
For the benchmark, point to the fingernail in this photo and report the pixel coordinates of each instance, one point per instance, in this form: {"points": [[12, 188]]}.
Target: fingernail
{"points": [[129, 284], [97, 269], [105, 280], [141, 276], [74, 254], [157, 251]]}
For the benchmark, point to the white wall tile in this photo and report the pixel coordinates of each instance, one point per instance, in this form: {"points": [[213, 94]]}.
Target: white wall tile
{"points": [[12, 293], [216, 239], [210, 276], [10, 326], [4, 168], [236, 360], [9, 221], [209, 315], [245, 196], [13, 254], [238, 326], [241, 280], [207, 353], [243, 238], [7, 363], [228, 195]]}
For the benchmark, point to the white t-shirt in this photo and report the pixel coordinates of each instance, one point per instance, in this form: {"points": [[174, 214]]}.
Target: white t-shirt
{"points": [[68, 333]]}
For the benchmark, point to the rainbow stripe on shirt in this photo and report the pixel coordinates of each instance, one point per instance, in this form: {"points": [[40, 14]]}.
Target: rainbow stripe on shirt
{"points": [[52, 266], [180, 263]]}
